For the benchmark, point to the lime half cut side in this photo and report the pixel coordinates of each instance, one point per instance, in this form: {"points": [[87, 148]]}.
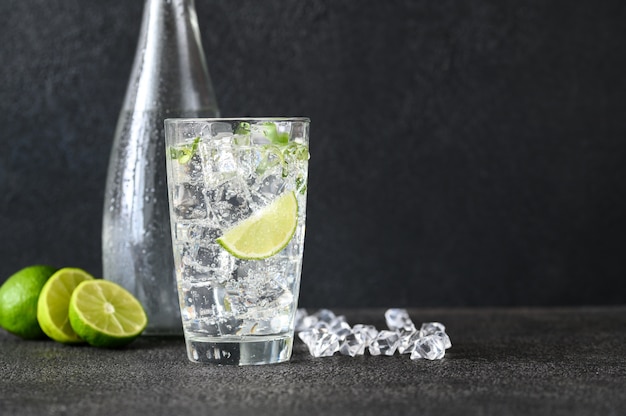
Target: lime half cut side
{"points": [[105, 314], [266, 232], [53, 304]]}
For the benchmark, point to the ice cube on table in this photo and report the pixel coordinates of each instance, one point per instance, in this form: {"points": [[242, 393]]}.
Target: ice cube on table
{"points": [[308, 322], [359, 338], [339, 327], [320, 342], [352, 345], [407, 342], [385, 343], [325, 315], [429, 328], [399, 320], [368, 332], [301, 313], [436, 328], [305, 321], [430, 347], [325, 333]]}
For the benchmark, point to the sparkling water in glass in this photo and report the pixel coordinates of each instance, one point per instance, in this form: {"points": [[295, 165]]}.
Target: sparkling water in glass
{"points": [[221, 172]]}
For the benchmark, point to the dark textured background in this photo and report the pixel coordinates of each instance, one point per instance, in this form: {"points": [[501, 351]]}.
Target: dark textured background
{"points": [[463, 153]]}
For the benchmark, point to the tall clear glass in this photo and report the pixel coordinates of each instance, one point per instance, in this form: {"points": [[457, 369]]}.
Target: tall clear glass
{"points": [[237, 193], [169, 78]]}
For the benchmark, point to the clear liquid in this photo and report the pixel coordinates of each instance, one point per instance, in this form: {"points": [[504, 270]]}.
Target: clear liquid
{"points": [[243, 308]]}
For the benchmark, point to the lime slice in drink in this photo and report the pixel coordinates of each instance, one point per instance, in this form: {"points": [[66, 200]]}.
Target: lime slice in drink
{"points": [[266, 232], [105, 314], [53, 304]]}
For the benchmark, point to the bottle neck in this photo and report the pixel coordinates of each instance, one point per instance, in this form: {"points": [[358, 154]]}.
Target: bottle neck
{"points": [[170, 71]]}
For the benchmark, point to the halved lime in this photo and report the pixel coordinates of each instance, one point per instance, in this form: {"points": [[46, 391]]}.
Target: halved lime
{"points": [[266, 232], [105, 314], [53, 304]]}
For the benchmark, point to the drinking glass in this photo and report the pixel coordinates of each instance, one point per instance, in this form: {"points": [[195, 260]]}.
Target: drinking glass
{"points": [[237, 192]]}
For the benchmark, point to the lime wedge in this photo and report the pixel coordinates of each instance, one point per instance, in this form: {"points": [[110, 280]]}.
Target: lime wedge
{"points": [[53, 304], [105, 314], [266, 232]]}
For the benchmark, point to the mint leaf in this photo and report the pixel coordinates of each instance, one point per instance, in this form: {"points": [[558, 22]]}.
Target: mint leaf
{"points": [[185, 153], [271, 156], [243, 128], [271, 132]]}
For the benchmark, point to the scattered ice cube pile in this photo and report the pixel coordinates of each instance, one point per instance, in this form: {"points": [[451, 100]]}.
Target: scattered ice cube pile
{"points": [[324, 334]]}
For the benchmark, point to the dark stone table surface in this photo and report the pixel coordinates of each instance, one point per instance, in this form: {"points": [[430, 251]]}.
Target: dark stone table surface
{"points": [[549, 361]]}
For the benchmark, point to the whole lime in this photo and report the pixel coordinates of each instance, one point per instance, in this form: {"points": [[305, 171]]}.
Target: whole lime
{"points": [[18, 301]]}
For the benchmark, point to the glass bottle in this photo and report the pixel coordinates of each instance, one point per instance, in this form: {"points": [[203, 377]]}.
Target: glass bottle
{"points": [[169, 78]]}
